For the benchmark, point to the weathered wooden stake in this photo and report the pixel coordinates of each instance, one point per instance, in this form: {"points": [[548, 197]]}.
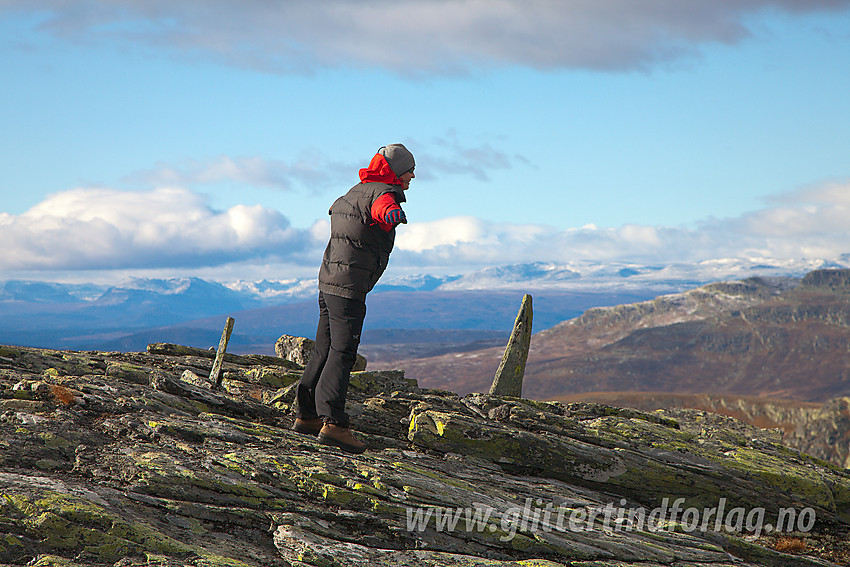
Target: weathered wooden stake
{"points": [[508, 379], [215, 373]]}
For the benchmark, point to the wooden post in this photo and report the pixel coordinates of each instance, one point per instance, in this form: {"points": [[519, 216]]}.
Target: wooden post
{"points": [[215, 374], [508, 379]]}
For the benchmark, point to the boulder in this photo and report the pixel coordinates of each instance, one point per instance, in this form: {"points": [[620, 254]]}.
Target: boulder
{"points": [[298, 349]]}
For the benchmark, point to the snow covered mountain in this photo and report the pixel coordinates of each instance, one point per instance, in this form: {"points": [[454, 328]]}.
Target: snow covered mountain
{"points": [[583, 275], [78, 316]]}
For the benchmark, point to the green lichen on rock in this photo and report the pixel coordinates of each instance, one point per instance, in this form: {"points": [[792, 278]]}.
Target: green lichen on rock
{"points": [[161, 471], [129, 372], [54, 522], [267, 376]]}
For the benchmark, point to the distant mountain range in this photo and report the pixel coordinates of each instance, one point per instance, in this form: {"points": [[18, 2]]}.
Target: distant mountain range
{"points": [[766, 337], [404, 311]]}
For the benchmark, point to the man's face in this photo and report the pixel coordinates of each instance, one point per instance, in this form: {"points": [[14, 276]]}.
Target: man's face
{"points": [[405, 179]]}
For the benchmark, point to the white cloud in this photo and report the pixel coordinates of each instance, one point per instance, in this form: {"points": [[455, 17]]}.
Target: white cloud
{"points": [[818, 212], [415, 36], [470, 241], [816, 226], [105, 228], [833, 192], [422, 236], [461, 241], [88, 229]]}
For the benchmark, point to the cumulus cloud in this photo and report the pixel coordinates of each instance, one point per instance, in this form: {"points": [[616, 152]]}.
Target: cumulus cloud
{"points": [[814, 224], [95, 228], [829, 192], [462, 239], [413, 36], [811, 222], [86, 229]]}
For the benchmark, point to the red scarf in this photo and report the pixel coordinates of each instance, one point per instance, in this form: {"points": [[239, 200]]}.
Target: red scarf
{"points": [[379, 171]]}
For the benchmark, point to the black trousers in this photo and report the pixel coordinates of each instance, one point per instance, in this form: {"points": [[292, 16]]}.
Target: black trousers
{"points": [[324, 384]]}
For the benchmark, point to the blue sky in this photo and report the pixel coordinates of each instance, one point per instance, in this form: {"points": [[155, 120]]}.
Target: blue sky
{"points": [[209, 137]]}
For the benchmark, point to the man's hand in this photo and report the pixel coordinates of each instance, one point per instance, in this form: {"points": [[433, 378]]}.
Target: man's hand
{"points": [[395, 216]]}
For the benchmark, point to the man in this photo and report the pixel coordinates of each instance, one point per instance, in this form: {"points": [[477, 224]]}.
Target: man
{"points": [[363, 223]]}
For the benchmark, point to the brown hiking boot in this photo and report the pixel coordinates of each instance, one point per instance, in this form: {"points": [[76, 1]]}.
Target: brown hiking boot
{"points": [[308, 426], [341, 437]]}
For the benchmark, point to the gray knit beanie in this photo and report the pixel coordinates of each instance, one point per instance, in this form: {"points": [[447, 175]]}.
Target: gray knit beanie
{"points": [[399, 158]]}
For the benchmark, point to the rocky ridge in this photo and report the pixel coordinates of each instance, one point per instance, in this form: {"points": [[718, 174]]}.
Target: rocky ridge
{"points": [[820, 430], [132, 459]]}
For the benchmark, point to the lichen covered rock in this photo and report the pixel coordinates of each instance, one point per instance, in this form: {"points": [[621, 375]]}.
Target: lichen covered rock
{"points": [[133, 459]]}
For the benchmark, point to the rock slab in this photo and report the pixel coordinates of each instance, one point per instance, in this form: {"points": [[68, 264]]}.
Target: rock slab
{"points": [[128, 460]]}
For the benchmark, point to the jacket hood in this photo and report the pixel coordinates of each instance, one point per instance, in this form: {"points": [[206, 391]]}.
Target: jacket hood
{"points": [[379, 171], [390, 162]]}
